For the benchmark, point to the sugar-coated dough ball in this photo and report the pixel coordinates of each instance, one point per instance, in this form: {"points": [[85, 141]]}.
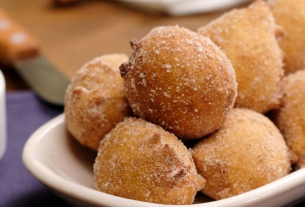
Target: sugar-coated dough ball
{"points": [[290, 118], [141, 161], [179, 80], [248, 36], [290, 15], [246, 153], [95, 100]]}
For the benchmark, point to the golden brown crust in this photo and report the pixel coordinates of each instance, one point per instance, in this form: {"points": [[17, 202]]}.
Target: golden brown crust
{"points": [[246, 153], [290, 15], [95, 100], [141, 161], [179, 80], [291, 116], [248, 36]]}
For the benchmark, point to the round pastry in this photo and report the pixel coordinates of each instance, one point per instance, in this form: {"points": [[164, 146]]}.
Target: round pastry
{"points": [[290, 118], [179, 80], [248, 37], [95, 100], [290, 15], [246, 153], [141, 161]]}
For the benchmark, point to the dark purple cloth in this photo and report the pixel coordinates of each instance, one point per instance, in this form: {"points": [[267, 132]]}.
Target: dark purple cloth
{"points": [[25, 113]]}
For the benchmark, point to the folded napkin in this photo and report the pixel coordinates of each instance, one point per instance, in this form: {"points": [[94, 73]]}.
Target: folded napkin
{"points": [[25, 113]]}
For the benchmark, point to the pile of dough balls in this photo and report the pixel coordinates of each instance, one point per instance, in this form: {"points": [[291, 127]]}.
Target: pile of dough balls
{"points": [[163, 121]]}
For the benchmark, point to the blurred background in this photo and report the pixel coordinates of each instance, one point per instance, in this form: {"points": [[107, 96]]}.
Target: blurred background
{"points": [[72, 32]]}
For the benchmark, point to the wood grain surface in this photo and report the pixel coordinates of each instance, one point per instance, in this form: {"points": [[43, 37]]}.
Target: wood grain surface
{"points": [[74, 34]]}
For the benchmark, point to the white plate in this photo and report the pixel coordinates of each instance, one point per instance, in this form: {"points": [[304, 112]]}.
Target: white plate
{"points": [[58, 161], [183, 7]]}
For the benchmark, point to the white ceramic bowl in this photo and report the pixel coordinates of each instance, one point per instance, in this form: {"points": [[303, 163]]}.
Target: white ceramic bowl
{"points": [[2, 116], [58, 161]]}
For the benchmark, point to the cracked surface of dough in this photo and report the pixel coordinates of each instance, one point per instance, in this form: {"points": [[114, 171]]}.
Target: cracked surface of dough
{"points": [[246, 153], [142, 161]]}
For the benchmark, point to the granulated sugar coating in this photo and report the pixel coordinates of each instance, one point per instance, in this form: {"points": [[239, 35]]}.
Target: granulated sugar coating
{"points": [[248, 36], [290, 118], [142, 161], [290, 15], [179, 80], [246, 153], [95, 100]]}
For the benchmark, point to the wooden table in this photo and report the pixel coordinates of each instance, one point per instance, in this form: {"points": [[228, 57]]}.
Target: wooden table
{"points": [[72, 35]]}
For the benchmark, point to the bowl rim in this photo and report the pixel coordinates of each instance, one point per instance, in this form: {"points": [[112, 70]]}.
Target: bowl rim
{"points": [[95, 197], [2, 83], [3, 124]]}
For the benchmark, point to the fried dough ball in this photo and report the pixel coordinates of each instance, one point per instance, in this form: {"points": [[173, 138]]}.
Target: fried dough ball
{"points": [[291, 116], [142, 161], [95, 100], [179, 80], [246, 153], [248, 36], [290, 14]]}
